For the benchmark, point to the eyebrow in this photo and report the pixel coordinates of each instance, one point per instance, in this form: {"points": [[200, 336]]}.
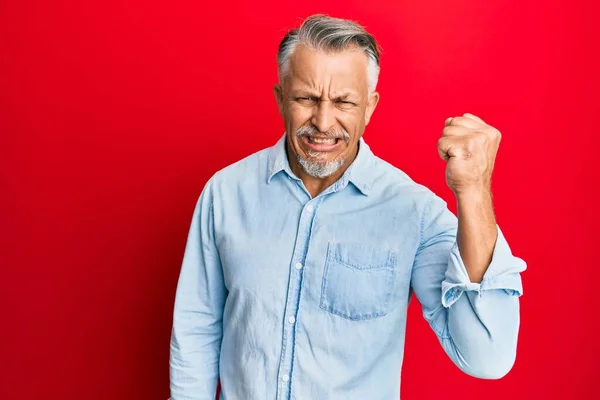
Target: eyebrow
{"points": [[345, 95], [309, 92]]}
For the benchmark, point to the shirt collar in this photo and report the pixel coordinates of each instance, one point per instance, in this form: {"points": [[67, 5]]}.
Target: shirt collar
{"points": [[360, 173], [277, 160]]}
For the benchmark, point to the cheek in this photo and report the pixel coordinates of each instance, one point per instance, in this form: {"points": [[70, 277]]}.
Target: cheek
{"points": [[353, 124], [296, 115]]}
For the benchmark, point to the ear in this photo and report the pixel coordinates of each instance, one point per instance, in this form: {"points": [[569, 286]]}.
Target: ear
{"points": [[371, 105], [278, 91]]}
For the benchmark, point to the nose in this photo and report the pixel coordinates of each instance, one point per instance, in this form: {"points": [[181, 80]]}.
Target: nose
{"points": [[323, 116]]}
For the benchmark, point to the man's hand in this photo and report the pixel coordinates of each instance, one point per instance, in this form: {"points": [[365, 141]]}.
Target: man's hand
{"points": [[469, 145]]}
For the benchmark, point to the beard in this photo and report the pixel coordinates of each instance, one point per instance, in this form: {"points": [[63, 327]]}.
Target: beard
{"points": [[316, 164]]}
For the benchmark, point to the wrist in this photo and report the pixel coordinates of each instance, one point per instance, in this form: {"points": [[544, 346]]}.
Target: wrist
{"points": [[473, 194]]}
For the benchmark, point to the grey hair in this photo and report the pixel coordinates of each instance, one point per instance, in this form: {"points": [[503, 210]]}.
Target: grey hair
{"points": [[325, 33]]}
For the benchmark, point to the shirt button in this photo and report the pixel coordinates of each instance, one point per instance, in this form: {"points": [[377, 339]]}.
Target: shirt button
{"points": [[291, 320], [298, 266], [309, 208], [285, 378]]}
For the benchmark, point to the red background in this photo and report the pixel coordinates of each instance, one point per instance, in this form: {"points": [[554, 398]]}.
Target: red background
{"points": [[114, 115]]}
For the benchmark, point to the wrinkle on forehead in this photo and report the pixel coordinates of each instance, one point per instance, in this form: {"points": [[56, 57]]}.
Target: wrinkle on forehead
{"points": [[328, 74]]}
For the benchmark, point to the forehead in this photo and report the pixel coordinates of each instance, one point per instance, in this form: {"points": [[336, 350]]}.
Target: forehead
{"points": [[320, 69]]}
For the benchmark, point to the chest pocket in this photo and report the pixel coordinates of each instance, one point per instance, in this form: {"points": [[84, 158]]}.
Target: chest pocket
{"points": [[358, 281]]}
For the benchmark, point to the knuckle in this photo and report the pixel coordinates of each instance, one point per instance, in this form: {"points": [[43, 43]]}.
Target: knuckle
{"points": [[492, 132], [480, 138], [471, 145], [457, 120]]}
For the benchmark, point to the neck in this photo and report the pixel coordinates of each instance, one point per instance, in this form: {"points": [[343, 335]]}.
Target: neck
{"points": [[315, 186]]}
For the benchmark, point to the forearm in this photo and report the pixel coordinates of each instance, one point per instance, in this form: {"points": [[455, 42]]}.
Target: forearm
{"points": [[477, 231]]}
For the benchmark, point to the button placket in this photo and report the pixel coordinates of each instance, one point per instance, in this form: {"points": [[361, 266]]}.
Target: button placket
{"points": [[289, 330], [286, 364]]}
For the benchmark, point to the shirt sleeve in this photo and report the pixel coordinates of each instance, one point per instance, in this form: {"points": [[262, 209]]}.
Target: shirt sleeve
{"points": [[477, 324], [199, 301]]}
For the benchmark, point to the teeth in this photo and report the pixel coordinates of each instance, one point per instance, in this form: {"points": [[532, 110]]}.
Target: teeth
{"points": [[322, 141]]}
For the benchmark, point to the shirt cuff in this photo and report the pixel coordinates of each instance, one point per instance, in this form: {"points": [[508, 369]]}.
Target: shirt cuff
{"points": [[502, 273]]}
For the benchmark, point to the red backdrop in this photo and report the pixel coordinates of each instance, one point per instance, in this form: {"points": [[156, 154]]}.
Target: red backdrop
{"points": [[114, 115]]}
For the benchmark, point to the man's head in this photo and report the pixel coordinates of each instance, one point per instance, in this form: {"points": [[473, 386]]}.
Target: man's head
{"points": [[328, 70]]}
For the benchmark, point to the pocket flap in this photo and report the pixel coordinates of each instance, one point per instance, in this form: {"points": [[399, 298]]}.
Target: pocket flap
{"points": [[361, 256]]}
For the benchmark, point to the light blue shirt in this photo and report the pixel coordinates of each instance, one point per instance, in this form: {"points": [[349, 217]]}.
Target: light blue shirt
{"points": [[283, 296]]}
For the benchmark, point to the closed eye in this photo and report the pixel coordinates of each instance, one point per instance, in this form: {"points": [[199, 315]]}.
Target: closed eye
{"points": [[345, 103], [306, 100]]}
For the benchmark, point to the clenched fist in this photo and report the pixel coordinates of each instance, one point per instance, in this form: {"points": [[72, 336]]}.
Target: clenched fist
{"points": [[469, 146]]}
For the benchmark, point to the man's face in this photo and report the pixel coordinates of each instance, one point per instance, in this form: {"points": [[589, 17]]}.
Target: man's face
{"points": [[325, 104]]}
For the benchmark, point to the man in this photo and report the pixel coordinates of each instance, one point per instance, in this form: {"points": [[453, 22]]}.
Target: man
{"points": [[301, 258]]}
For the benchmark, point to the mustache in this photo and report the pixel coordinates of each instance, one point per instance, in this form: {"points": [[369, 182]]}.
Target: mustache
{"points": [[330, 134]]}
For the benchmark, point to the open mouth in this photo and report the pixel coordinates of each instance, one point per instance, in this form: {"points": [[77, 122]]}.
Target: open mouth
{"points": [[329, 141], [320, 143]]}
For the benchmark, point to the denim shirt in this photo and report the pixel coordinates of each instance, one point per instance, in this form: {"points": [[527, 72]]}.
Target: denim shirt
{"points": [[284, 296]]}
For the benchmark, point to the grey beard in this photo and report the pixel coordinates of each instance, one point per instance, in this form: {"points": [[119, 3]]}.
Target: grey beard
{"points": [[314, 167], [319, 169]]}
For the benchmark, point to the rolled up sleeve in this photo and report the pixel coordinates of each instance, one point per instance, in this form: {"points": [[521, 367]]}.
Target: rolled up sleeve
{"points": [[477, 324], [504, 272]]}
